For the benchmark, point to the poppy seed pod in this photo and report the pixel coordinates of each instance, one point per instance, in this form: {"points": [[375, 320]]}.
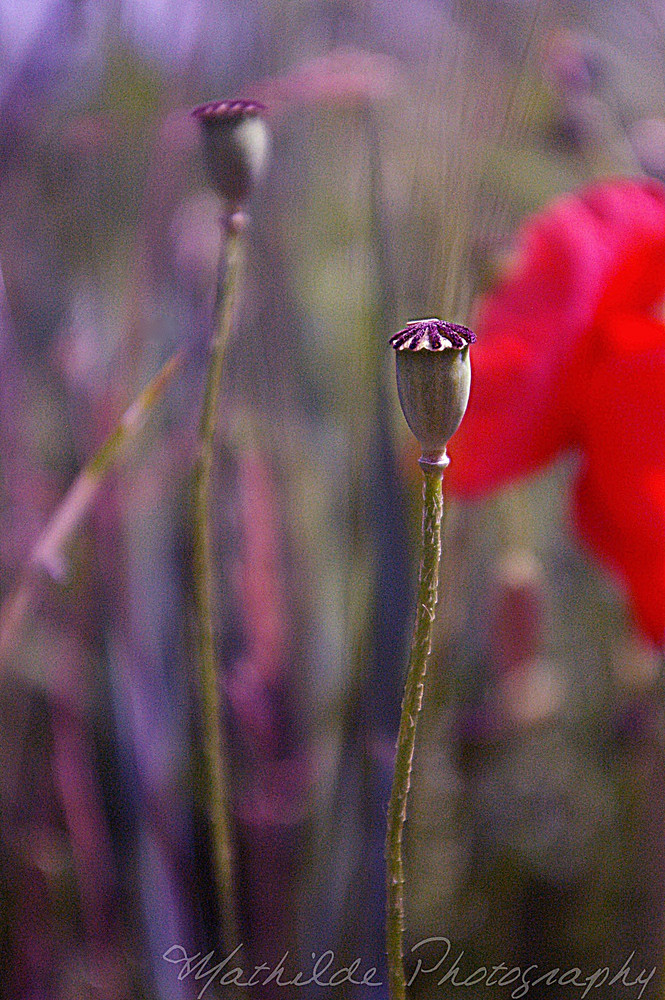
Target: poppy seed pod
{"points": [[433, 382], [235, 146]]}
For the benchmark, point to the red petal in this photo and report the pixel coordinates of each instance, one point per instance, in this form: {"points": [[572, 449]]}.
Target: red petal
{"points": [[600, 250], [620, 502]]}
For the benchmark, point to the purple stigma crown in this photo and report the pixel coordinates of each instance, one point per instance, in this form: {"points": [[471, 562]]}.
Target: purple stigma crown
{"points": [[432, 335], [227, 112]]}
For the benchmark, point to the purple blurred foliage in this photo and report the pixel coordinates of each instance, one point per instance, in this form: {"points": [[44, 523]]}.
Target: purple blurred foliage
{"points": [[519, 612], [276, 785], [522, 686], [32, 866], [25, 488], [110, 252], [61, 68], [77, 782], [60, 63], [149, 686]]}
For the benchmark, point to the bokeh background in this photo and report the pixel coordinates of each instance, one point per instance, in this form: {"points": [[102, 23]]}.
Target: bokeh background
{"points": [[408, 142]]}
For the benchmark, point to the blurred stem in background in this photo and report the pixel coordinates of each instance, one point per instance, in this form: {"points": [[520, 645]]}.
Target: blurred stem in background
{"points": [[214, 740], [47, 553], [235, 146]]}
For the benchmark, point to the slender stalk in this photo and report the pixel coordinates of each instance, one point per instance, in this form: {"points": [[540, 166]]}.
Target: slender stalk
{"points": [[48, 552], [214, 741], [428, 583]]}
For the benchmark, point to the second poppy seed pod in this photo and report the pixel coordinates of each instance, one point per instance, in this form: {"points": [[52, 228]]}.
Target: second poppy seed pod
{"points": [[235, 146], [433, 382]]}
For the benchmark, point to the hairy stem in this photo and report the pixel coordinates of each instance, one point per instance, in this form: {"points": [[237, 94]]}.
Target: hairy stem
{"points": [[428, 583], [213, 738]]}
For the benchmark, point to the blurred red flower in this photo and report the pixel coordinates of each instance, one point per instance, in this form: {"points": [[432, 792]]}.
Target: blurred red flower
{"points": [[571, 355]]}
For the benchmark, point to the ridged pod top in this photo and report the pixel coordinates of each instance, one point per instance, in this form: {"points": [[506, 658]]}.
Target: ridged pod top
{"points": [[221, 112], [432, 335]]}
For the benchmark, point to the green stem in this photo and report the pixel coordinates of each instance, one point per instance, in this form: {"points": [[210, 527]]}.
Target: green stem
{"points": [[428, 583], [48, 553], [214, 741]]}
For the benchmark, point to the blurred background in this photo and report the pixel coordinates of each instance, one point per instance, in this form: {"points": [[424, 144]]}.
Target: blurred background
{"points": [[408, 142]]}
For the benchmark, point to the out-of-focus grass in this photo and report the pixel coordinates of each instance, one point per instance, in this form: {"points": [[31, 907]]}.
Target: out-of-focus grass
{"points": [[103, 277]]}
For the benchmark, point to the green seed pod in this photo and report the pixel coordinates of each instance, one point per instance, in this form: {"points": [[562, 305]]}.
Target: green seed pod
{"points": [[433, 382], [235, 147]]}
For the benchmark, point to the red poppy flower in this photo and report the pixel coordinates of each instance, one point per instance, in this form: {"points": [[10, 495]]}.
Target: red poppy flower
{"points": [[571, 355]]}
